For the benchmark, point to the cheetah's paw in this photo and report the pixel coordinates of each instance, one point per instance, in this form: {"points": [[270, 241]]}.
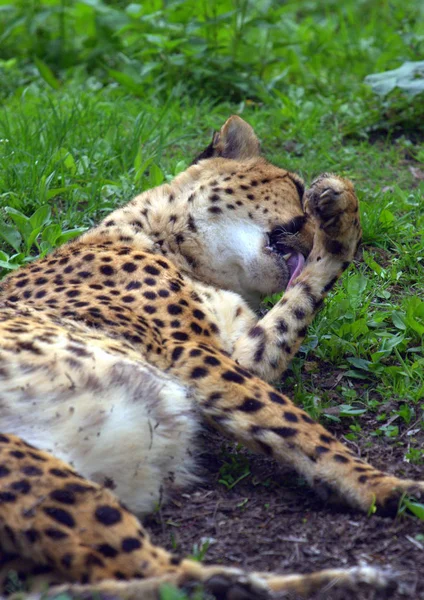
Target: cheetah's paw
{"points": [[332, 203]]}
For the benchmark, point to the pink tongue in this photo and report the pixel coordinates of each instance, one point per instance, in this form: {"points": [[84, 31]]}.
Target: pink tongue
{"points": [[295, 264]]}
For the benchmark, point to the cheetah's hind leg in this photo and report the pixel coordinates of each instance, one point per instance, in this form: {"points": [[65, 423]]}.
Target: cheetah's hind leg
{"points": [[80, 532]]}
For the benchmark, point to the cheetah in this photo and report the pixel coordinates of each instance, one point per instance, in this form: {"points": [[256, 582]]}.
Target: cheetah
{"points": [[117, 346]]}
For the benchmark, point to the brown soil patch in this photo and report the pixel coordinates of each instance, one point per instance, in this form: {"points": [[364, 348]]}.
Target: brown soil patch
{"points": [[272, 521]]}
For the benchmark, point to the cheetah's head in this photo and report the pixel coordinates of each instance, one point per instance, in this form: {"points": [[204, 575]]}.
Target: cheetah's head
{"points": [[251, 233]]}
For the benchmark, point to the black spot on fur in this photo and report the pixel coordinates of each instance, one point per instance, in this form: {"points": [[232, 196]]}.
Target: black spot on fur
{"points": [[129, 267], [79, 488], [321, 450], [282, 326], [212, 361], [284, 432], [284, 346], [60, 516], [59, 473], [256, 331], [63, 496], [233, 377], [32, 535], [31, 471], [21, 283], [259, 352], [17, 454], [66, 560], [129, 544], [199, 373], [107, 550], [302, 332], [334, 247], [4, 471], [276, 398], [29, 347], [340, 458], [174, 309], [91, 560], [107, 270], [176, 353], [149, 295], [23, 486], [290, 416], [250, 405], [55, 534], [299, 314], [181, 336], [7, 497], [151, 270], [108, 515]]}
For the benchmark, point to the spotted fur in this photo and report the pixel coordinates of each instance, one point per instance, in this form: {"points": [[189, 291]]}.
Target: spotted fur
{"points": [[115, 346]]}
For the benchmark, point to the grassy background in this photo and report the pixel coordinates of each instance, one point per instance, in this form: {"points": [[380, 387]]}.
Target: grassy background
{"points": [[104, 99]]}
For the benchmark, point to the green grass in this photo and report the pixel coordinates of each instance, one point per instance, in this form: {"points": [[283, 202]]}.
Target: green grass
{"points": [[169, 592], [103, 100]]}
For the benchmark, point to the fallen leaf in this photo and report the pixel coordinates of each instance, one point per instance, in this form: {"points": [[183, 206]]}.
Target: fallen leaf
{"points": [[417, 173]]}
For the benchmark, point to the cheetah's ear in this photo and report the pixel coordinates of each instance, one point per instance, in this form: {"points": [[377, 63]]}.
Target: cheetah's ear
{"points": [[236, 139]]}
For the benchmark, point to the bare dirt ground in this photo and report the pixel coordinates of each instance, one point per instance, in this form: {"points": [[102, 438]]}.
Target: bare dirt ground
{"points": [[272, 521]]}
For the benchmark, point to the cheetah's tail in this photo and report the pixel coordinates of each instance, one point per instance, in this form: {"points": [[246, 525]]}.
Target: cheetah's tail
{"points": [[225, 584]]}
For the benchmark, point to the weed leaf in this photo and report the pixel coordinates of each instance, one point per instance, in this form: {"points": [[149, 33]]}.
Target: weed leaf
{"points": [[47, 74], [10, 235]]}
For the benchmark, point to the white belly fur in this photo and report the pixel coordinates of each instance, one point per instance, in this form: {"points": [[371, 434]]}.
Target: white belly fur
{"points": [[115, 419]]}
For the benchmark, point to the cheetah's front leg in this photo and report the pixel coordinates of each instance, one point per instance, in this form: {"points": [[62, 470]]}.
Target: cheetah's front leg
{"points": [[254, 413], [269, 346]]}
